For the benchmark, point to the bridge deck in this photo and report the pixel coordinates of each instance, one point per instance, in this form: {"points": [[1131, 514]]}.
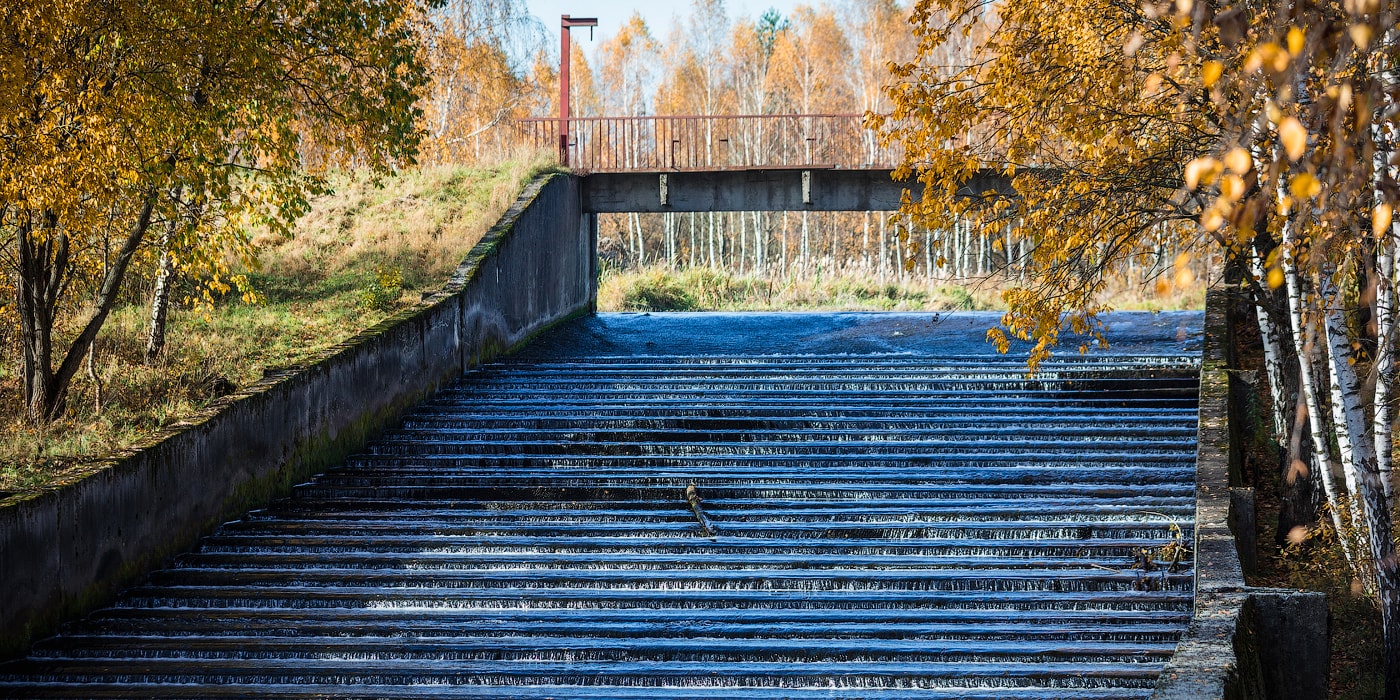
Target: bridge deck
{"points": [[893, 511]]}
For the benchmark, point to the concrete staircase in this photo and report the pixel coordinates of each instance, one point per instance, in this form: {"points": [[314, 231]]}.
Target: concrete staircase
{"points": [[873, 525]]}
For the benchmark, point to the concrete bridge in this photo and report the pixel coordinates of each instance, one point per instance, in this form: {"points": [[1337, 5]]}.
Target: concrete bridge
{"points": [[500, 494]]}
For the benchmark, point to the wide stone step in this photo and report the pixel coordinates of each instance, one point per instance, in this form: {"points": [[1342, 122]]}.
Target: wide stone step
{"points": [[268, 540], [796, 533], [585, 647], [956, 424], [177, 623], [961, 434], [655, 674], [873, 526], [746, 386], [300, 691], [1120, 448], [427, 600], [580, 488], [876, 396], [1084, 459], [511, 561], [641, 581], [716, 470], [523, 412]]}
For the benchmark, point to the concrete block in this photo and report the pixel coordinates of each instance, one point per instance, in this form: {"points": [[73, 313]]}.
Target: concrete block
{"points": [[1292, 635], [1244, 525]]}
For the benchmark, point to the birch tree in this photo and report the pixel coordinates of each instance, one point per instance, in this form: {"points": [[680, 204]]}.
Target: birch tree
{"points": [[1259, 132], [478, 52]]}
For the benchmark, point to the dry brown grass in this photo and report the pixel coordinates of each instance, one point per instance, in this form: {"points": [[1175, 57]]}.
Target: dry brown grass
{"points": [[702, 289], [423, 222]]}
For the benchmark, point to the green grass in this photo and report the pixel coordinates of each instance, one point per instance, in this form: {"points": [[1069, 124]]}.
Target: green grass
{"points": [[320, 286]]}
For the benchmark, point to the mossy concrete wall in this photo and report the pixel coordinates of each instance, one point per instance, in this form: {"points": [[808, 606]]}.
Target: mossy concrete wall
{"points": [[1244, 643], [71, 548]]}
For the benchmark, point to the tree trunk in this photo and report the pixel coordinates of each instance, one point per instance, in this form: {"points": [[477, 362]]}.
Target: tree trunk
{"points": [[806, 243], [160, 300], [1385, 359], [43, 268], [1273, 351], [884, 255], [865, 244], [1382, 171], [743, 243], [1298, 483], [97, 390], [1352, 424], [1305, 351], [785, 243], [43, 262]]}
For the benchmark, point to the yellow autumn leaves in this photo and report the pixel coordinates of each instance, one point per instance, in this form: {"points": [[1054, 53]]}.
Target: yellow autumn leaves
{"points": [[1134, 130]]}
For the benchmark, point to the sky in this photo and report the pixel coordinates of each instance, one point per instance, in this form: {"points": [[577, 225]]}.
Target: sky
{"points": [[612, 13]]}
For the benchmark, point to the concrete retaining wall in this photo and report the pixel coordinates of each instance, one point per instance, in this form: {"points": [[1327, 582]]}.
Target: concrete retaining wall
{"points": [[1244, 643], [71, 548]]}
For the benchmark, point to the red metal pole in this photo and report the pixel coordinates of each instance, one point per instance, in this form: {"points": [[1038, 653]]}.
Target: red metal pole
{"points": [[565, 23], [564, 90]]}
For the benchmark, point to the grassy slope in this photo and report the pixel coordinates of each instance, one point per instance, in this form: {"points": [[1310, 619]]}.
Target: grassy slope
{"points": [[422, 223]]}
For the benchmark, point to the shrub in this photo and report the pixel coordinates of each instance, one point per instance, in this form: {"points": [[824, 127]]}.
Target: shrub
{"points": [[383, 290]]}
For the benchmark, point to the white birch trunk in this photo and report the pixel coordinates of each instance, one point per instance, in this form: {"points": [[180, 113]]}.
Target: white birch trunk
{"points": [[1385, 361], [1376, 522], [785, 243], [1273, 353], [865, 244], [884, 255], [1381, 133], [743, 242], [806, 243], [1321, 449], [1352, 447]]}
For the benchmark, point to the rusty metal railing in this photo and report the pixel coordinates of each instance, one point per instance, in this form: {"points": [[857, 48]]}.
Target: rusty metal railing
{"points": [[724, 142]]}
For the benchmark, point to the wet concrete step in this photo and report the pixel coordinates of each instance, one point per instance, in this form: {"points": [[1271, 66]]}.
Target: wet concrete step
{"points": [[505, 375], [657, 674], [978, 435], [512, 561], [1128, 396], [1019, 471], [553, 692], [1083, 458], [583, 647], [1121, 448], [966, 422], [427, 600], [687, 623], [1084, 577], [1030, 512], [743, 387], [575, 488], [524, 413], [795, 534], [730, 510], [1137, 366], [883, 526], [734, 473], [270, 541]]}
